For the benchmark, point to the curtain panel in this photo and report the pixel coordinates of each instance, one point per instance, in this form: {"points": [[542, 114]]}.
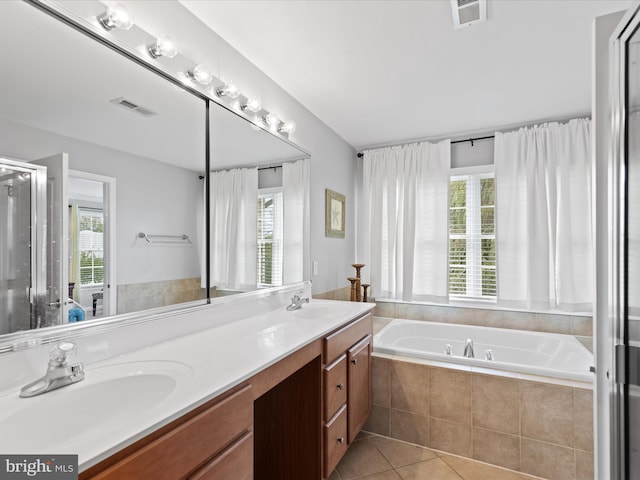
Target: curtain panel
{"points": [[296, 199], [234, 230], [405, 221], [544, 249]]}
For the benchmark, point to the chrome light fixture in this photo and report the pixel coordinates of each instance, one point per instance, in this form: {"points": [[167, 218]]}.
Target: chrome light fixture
{"points": [[163, 47], [200, 74], [116, 16], [229, 89], [287, 127], [252, 104]]}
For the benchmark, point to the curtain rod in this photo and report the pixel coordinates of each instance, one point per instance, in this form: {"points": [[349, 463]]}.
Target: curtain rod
{"points": [[502, 129], [474, 139]]}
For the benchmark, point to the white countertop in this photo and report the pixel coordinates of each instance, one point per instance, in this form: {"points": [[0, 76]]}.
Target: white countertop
{"points": [[205, 364]]}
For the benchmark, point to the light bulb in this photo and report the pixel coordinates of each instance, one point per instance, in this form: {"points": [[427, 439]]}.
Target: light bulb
{"points": [[116, 16], [200, 74], [229, 89], [163, 47], [287, 127], [253, 105], [272, 121]]}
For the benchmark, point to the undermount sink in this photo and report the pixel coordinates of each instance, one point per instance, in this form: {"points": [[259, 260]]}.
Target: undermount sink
{"points": [[109, 397]]}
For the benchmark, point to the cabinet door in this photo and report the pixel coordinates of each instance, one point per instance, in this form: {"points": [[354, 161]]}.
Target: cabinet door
{"points": [[359, 386]]}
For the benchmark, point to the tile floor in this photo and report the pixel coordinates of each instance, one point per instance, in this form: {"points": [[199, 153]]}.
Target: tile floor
{"points": [[372, 457]]}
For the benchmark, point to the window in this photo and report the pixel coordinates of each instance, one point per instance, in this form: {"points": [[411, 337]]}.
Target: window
{"points": [[91, 246], [270, 237], [472, 239]]}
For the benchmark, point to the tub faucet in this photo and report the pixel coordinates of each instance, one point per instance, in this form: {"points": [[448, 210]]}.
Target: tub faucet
{"points": [[296, 302], [468, 349], [60, 372]]}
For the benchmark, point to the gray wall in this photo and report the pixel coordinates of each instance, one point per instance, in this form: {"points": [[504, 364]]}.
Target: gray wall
{"points": [[151, 197], [332, 158]]}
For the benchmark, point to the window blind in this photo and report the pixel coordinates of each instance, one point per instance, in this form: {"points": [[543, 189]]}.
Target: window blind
{"points": [[91, 246], [472, 253], [270, 237]]}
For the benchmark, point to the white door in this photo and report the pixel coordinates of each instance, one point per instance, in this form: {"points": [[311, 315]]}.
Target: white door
{"points": [[57, 276]]}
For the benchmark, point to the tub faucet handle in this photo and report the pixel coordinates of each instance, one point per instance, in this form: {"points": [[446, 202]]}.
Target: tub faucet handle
{"points": [[448, 349], [488, 355]]}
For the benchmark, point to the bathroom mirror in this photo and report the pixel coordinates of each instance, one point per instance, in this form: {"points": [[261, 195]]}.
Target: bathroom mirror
{"points": [[125, 155]]}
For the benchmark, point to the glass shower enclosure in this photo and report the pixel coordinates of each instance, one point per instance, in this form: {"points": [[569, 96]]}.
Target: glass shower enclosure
{"points": [[22, 245]]}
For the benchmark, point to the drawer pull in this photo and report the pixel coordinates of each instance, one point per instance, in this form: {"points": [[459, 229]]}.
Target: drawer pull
{"points": [[354, 361], [340, 386], [341, 440]]}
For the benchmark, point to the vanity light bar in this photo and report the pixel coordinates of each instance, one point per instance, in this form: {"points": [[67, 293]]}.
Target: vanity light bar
{"points": [[117, 17]]}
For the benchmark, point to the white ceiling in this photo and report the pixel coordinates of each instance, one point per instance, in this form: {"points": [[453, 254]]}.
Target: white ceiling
{"points": [[381, 72]]}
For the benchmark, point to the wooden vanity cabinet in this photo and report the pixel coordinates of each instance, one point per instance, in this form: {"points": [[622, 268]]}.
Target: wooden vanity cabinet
{"points": [[209, 443], [347, 387]]}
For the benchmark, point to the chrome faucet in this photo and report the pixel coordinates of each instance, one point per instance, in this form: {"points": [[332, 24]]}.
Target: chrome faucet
{"points": [[296, 302], [60, 372], [468, 349]]}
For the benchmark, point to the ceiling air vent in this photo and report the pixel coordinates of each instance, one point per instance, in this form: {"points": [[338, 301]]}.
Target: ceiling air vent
{"points": [[468, 12], [133, 107]]}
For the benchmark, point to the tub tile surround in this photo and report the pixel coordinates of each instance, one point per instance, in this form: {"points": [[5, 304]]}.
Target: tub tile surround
{"points": [[580, 326], [537, 428], [134, 297]]}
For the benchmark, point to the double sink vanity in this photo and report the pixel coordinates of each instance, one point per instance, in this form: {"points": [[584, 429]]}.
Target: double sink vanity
{"points": [[243, 390]]}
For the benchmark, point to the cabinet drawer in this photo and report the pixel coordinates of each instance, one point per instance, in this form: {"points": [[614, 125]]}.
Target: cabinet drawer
{"points": [[236, 462], [335, 386], [180, 451], [335, 440], [337, 343]]}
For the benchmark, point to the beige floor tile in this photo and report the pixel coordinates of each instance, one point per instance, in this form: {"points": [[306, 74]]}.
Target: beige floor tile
{"points": [[435, 469], [335, 475], [470, 470], [362, 459], [390, 475], [364, 434], [400, 454]]}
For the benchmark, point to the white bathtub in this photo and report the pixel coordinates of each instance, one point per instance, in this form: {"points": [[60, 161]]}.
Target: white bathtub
{"points": [[546, 354]]}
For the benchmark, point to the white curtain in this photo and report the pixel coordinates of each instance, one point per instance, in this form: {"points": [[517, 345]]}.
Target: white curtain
{"points": [[295, 191], [234, 206], [405, 221], [543, 217]]}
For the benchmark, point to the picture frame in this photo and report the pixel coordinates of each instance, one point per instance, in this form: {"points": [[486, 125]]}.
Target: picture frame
{"points": [[335, 214]]}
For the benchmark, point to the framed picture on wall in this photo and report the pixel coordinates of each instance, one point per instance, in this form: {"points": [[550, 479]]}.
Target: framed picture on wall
{"points": [[334, 214]]}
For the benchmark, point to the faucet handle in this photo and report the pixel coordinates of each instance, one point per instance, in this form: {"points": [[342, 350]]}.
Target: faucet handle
{"points": [[61, 352]]}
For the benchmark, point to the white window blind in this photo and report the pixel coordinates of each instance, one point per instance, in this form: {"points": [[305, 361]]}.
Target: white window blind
{"points": [[91, 246], [270, 237], [472, 239]]}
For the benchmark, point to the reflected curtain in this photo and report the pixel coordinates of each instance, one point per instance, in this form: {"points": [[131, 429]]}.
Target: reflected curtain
{"points": [[296, 201], [74, 249], [544, 249], [234, 201], [404, 221]]}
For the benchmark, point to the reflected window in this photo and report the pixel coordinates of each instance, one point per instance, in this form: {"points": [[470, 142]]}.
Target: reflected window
{"points": [[91, 246], [270, 237]]}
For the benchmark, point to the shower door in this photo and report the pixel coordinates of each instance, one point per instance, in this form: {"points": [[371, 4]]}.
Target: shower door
{"points": [[625, 294], [22, 244]]}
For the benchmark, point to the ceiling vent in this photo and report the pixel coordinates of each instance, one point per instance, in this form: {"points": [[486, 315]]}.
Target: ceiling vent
{"points": [[468, 12], [133, 107]]}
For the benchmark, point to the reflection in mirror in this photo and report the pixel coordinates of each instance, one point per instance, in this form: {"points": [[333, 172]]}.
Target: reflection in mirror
{"points": [[259, 207], [135, 144]]}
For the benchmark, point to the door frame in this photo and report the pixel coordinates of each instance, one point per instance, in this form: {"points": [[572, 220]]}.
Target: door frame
{"points": [[110, 297]]}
